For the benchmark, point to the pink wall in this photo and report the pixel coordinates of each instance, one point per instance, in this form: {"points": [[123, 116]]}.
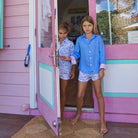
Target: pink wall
{"points": [[14, 77]]}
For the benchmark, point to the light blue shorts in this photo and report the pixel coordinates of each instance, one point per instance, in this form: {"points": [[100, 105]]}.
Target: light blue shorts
{"points": [[65, 76], [86, 77]]}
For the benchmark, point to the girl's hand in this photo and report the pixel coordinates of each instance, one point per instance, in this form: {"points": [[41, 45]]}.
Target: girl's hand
{"points": [[101, 73], [65, 58], [72, 75]]}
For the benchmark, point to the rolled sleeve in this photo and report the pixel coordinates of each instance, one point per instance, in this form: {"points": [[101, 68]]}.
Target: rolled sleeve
{"points": [[73, 60], [103, 66]]}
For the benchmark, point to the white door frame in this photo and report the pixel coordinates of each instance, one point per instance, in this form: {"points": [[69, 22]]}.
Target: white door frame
{"points": [[32, 41]]}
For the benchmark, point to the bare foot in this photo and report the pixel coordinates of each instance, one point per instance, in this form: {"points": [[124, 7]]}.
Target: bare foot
{"points": [[104, 129], [75, 119]]}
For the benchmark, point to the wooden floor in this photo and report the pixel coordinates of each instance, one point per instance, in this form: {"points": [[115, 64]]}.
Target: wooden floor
{"points": [[10, 124]]}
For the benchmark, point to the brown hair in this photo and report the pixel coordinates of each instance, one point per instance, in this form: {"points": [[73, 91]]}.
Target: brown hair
{"points": [[64, 26], [90, 20]]}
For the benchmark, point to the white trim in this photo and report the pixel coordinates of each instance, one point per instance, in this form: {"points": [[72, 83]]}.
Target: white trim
{"points": [[56, 50], [32, 41], [39, 22], [84, 109], [110, 28]]}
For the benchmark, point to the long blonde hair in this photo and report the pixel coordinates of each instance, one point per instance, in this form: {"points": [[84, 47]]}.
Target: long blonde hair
{"points": [[90, 20]]}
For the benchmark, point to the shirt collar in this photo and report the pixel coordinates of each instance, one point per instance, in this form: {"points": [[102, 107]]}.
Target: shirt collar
{"points": [[91, 37], [65, 40]]}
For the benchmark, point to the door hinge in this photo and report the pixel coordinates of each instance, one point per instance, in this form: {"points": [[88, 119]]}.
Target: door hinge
{"points": [[35, 31]]}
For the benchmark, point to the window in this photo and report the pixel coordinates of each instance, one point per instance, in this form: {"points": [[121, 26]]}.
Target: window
{"points": [[1, 24], [118, 21], [45, 23]]}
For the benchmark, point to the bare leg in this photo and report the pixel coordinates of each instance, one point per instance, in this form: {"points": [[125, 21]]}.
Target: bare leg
{"points": [[63, 89], [80, 96], [101, 105]]}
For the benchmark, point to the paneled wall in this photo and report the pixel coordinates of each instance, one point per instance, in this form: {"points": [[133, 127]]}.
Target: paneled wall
{"points": [[14, 76]]}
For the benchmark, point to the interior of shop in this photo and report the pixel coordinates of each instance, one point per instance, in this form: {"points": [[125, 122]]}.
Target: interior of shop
{"points": [[71, 12]]}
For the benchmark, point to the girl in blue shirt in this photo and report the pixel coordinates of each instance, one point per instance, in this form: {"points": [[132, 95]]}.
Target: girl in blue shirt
{"points": [[90, 49], [66, 70]]}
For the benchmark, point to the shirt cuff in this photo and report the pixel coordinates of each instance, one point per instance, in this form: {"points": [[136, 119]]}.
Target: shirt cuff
{"points": [[103, 66], [73, 60]]}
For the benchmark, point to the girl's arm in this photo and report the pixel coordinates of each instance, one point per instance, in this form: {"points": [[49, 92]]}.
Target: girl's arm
{"points": [[72, 74], [101, 73], [65, 58]]}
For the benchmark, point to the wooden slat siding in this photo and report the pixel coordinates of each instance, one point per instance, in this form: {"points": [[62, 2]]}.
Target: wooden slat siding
{"points": [[16, 43], [15, 2], [13, 66], [13, 101], [17, 21], [16, 10], [13, 110], [14, 78], [19, 32], [14, 90], [17, 55]]}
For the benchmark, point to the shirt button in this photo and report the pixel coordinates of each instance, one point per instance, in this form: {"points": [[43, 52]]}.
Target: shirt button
{"points": [[89, 51], [90, 58], [90, 64]]}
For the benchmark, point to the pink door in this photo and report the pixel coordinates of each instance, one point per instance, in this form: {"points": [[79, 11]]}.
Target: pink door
{"points": [[118, 25], [47, 88]]}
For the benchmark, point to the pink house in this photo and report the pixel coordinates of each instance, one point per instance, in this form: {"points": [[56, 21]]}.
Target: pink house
{"points": [[34, 89]]}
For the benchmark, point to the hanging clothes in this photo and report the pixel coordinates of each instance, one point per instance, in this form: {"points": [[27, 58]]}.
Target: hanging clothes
{"points": [[46, 15]]}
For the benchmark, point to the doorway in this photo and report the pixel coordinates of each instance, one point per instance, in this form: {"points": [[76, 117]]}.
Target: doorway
{"points": [[71, 12]]}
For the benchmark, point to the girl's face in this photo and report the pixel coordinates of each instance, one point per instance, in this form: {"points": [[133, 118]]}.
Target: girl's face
{"points": [[62, 34], [87, 27]]}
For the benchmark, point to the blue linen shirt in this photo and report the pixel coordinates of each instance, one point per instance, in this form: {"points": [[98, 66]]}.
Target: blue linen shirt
{"points": [[91, 53], [65, 49]]}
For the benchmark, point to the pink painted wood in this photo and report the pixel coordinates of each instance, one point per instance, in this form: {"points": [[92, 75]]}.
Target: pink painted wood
{"points": [[112, 117], [124, 51], [34, 112], [14, 90], [14, 77], [15, 2], [16, 43], [122, 105], [17, 109], [43, 57], [19, 32], [12, 55], [16, 21], [13, 66], [12, 10], [13, 101]]}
